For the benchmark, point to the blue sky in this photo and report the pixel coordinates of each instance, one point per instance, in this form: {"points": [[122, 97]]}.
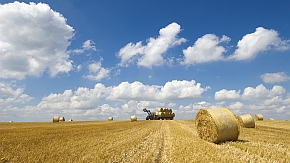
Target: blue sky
{"points": [[88, 60]]}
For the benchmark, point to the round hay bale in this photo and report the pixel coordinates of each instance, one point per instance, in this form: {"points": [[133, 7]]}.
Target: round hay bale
{"points": [[70, 120], [246, 121], [271, 119], [110, 118], [61, 119], [160, 109], [259, 117], [217, 125], [133, 118], [55, 119], [10, 121]]}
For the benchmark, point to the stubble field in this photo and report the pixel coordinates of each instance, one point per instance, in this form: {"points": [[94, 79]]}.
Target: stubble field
{"points": [[142, 141]]}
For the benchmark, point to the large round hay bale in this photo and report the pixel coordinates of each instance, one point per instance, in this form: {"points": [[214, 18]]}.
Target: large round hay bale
{"points": [[246, 120], [62, 119], [133, 118], [55, 119], [271, 119], [259, 117], [110, 118], [217, 125]]}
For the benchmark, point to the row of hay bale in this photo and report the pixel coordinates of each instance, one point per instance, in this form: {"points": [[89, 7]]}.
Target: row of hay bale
{"points": [[167, 110], [59, 119], [248, 121], [133, 118], [221, 124], [164, 113], [62, 119], [260, 117]]}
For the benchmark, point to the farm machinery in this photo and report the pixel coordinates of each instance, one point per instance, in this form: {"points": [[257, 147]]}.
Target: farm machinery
{"points": [[161, 114]]}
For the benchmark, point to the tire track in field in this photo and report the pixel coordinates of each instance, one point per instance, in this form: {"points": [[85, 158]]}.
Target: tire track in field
{"points": [[167, 150], [187, 126], [155, 147], [117, 141]]}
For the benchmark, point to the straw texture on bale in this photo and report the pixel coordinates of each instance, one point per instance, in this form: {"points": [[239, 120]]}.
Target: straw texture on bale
{"points": [[271, 119], [217, 125], [61, 119], [259, 117], [133, 118], [55, 119], [246, 121], [110, 118]]}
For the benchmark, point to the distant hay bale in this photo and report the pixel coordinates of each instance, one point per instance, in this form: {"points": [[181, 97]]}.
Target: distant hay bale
{"points": [[110, 118], [70, 120], [133, 118], [61, 119], [217, 125], [271, 119], [10, 121], [259, 117], [55, 119], [246, 121]]}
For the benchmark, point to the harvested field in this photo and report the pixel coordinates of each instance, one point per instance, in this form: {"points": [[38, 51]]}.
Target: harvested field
{"points": [[142, 141]]}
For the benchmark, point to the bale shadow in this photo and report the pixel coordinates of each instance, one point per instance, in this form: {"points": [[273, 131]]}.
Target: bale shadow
{"points": [[242, 141], [239, 141]]}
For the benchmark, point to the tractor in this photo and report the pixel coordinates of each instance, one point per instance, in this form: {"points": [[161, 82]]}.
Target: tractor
{"points": [[161, 114]]}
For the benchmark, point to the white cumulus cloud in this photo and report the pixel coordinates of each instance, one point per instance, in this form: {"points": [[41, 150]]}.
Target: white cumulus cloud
{"points": [[262, 93], [205, 49], [152, 53], [227, 95], [10, 95], [275, 77], [88, 45], [174, 90], [97, 72], [259, 41], [33, 39], [83, 98]]}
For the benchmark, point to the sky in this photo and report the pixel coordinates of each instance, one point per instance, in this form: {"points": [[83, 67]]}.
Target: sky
{"points": [[88, 60]]}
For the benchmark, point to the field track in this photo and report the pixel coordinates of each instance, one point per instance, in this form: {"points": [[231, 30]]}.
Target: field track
{"points": [[142, 141]]}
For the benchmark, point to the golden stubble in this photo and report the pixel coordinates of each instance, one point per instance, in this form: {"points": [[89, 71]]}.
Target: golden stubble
{"points": [[141, 141]]}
